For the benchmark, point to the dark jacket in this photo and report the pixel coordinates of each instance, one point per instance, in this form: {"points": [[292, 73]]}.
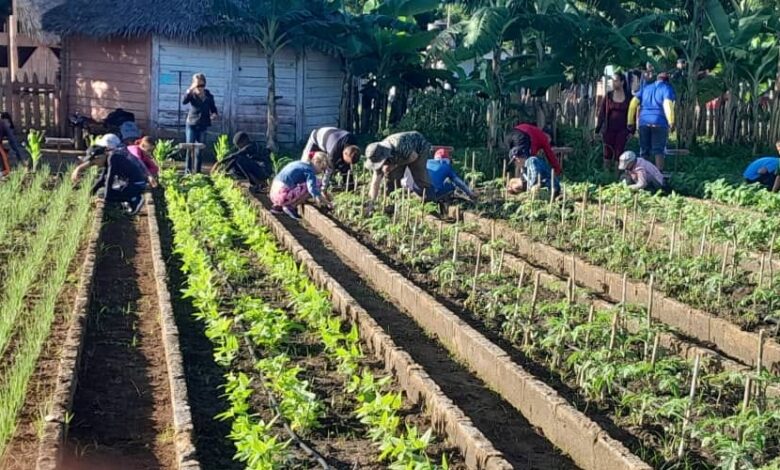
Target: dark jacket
{"points": [[121, 168], [201, 109]]}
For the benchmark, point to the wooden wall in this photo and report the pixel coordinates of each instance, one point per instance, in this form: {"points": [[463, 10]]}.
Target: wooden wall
{"points": [[308, 86], [107, 74]]}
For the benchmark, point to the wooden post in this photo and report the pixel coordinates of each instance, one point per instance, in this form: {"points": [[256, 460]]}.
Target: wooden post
{"points": [[652, 229], [654, 357], [761, 271], [746, 393], [476, 269], [760, 354], [691, 397], [672, 239], [536, 294], [13, 64], [455, 246], [591, 312], [771, 267]]}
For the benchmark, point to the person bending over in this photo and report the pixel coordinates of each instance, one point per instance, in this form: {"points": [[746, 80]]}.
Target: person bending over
{"points": [[444, 179], [392, 156], [533, 175], [341, 147], [641, 174], [249, 162], [123, 177], [296, 183], [530, 140], [765, 171], [143, 149]]}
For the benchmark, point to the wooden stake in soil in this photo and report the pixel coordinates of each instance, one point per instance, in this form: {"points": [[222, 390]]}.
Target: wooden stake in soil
{"points": [[625, 223], [521, 278], [441, 229], [536, 294], [746, 394], [649, 313], [455, 245], [652, 229], [656, 342], [570, 291], [689, 408], [760, 355], [771, 267], [761, 271], [672, 239], [476, 269], [500, 263], [591, 312]]}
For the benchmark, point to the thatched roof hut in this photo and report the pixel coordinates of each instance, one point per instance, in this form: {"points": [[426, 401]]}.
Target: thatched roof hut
{"points": [[140, 55]]}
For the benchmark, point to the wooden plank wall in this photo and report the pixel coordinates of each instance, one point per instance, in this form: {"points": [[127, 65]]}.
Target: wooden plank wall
{"points": [[176, 62], [109, 74], [308, 86]]}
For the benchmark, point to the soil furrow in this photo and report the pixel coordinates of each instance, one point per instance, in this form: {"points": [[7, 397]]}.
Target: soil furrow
{"points": [[122, 415], [506, 428]]}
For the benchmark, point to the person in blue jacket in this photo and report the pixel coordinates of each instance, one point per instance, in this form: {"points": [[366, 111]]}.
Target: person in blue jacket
{"points": [[535, 173], [444, 179], [765, 171], [296, 183]]}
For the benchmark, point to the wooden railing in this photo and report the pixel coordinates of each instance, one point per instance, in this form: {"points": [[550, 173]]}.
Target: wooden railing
{"points": [[32, 103]]}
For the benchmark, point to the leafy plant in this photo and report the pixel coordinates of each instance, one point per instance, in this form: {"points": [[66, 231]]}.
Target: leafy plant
{"points": [[35, 140], [222, 147]]}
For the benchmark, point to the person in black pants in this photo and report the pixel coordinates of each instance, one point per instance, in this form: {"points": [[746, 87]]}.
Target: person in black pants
{"points": [[202, 111], [249, 162], [122, 176]]}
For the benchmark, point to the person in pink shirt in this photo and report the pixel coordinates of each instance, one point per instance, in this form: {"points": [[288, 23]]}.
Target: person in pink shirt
{"points": [[143, 149], [641, 173]]}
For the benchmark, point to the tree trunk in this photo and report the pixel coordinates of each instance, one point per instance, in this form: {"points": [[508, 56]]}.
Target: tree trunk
{"points": [[272, 124], [346, 105], [774, 123]]}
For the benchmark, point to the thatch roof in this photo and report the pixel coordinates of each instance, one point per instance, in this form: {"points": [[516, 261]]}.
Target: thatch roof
{"points": [[30, 15], [175, 19]]}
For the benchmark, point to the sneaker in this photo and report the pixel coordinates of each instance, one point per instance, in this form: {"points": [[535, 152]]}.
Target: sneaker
{"points": [[277, 210], [292, 212], [134, 208]]}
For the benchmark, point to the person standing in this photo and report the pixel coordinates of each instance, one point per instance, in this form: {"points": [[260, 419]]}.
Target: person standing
{"points": [[765, 171], [122, 176], [612, 121], [341, 147], [202, 111], [529, 140], [392, 156], [641, 174], [654, 107]]}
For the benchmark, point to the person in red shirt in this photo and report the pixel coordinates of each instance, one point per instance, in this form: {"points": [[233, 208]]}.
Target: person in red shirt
{"points": [[529, 140]]}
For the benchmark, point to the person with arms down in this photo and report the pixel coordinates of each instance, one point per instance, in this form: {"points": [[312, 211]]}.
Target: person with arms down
{"points": [[143, 149], [341, 147], [641, 174], [529, 140], [202, 111], [122, 176], [249, 162], [612, 122], [296, 183], [765, 171], [392, 156], [444, 179], [654, 107], [534, 173]]}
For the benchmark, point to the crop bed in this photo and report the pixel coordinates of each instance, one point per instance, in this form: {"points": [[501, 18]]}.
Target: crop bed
{"points": [[679, 411], [301, 391], [39, 251]]}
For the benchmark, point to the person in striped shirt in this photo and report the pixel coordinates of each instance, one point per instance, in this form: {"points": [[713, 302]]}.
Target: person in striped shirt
{"points": [[341, 147]]}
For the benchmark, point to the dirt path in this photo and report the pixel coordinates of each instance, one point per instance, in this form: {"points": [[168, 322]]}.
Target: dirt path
{"points": [[506, 428], [122, 416]]}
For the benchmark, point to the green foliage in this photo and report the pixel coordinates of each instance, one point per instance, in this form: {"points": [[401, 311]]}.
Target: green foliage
{"points": [[446, 118], [280, 161], [164, 149], [35, 140], [222, 147]]}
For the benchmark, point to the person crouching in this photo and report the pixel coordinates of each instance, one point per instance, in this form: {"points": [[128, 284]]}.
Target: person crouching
{"points": [[531, 173], [123, 177], [296, 183], [249, 162]]}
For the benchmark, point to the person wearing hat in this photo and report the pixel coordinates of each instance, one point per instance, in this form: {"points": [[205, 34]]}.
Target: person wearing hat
{"points": [[444, 179], [392, 156], [122, 175], [652, 109], [531, 172], [640, 173], [341, 147], [249, 162], [529, 140], [765, 171]]}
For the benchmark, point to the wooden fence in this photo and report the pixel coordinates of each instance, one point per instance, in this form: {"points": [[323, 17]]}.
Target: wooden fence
{"points": [[33, 104]]}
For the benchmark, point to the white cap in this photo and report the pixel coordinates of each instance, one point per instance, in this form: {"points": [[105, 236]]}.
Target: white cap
{"points": [[109, 141], [626, 158]]}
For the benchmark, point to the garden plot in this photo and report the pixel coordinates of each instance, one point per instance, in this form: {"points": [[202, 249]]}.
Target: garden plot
{"points": [[40, 253], [128, 406], [425, 369], [297, 381], [685, 282], [677, 410]]}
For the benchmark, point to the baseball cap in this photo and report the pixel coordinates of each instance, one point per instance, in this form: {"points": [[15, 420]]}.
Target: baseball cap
{"points": [[376, 155], [517, 152], [93, 152], [129, 130], [109, 141], [626, 158]]}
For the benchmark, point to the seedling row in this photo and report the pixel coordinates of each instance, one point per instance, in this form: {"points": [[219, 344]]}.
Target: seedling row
{"points": [[681, 412], [255, 300]]}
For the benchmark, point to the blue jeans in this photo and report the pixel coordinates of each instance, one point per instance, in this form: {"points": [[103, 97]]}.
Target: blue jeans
{"points": [[193, 134], [652, 141]]}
